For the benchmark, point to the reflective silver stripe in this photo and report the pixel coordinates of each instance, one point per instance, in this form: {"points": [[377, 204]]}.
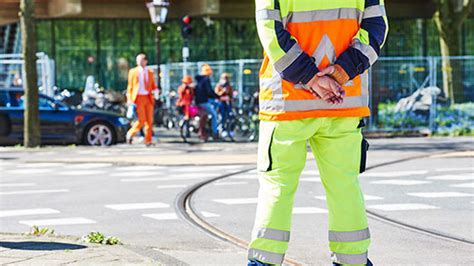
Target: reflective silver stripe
{"points": [[265, 256], [374, 11], [323, 15], [367, 50], [349, 236], [309, 105], [268, 14], [273, 234], [285, 61], [365, 83], [350, 258], [325, 48]]}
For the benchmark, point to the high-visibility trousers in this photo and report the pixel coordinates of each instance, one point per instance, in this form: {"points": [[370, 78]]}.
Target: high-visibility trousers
{"points": [[339, 149]]}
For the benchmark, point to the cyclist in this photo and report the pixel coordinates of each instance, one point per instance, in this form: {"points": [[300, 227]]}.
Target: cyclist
{"points": [[204, 95]]}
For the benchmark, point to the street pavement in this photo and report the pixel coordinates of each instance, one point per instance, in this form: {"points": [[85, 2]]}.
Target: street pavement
{"points": [[130, 192]]}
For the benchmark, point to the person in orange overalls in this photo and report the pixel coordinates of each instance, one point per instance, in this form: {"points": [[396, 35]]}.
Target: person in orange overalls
{"points": [[140, 91]]}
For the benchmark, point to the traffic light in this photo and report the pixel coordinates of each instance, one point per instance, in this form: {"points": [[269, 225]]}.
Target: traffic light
{"points": [[186, 28]]}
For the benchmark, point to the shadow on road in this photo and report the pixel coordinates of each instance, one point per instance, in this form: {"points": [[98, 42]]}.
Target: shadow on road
{"points": [[34, 245]]}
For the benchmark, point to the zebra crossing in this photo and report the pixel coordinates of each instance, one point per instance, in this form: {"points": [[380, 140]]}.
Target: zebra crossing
{"points": [[16, 183]]}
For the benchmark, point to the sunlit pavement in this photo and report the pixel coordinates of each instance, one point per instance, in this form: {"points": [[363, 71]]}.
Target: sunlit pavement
{"points": [[130, 192]]}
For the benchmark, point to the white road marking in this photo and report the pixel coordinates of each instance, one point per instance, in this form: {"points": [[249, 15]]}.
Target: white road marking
{"points": [[245, 176], [171, 186], [393, 174], [366, 197], [237, 201], [29, 171], [139, 168], [465, 185], [209, 214], [455, 169], [451, 177], [162, 216], [310, 179], [41, 165], [440, 194], [17, 185], [81, 173], [59, 221], [402, 207], [167, 178], [400, 182], [88, 165], [27, 192], [11, 213], [137, 174], [229, 183], [308, 210], [311, 173], [137, 206]]}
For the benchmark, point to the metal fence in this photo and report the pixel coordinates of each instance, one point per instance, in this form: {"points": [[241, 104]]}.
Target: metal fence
{"points": [[11, 72], [391, 80]]}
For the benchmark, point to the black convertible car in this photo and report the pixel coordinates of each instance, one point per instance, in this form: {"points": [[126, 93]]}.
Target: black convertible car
{"points": [[60, 123]]}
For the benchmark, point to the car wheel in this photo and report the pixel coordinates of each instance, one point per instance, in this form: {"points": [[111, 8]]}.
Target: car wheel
{"points": [[99, 134]]}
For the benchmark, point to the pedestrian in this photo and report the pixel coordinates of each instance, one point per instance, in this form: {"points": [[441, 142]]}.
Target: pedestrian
{"points": [[204, 95], [314, 88], [224, 90], [185, 99], [140, 92]]}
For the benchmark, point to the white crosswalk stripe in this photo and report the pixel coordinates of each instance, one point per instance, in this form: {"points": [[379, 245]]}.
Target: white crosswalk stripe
{"points": [[88, 165], [400, 182], [170, 186], [310, 179], [366, 197], [27, 192], [81, 173], [440, 195], [59, 221], [237, 201], [137, 206], [17, 185], [137, 174], [459, 169], [29, 171], [465, 185], [42, 165], [230, 183], [394, 173], [451, 177], [308, 210], [139, 168], [25, 212], [402, 207]]}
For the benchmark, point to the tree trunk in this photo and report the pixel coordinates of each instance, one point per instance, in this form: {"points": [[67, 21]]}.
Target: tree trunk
{"points": [[32, 137], [449, 17]]}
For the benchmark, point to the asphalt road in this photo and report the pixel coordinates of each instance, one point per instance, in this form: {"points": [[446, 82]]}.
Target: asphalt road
{"points": [[52, 188]]}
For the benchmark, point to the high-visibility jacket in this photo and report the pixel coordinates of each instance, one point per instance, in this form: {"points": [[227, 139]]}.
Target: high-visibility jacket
{"points": [[302, 37]]}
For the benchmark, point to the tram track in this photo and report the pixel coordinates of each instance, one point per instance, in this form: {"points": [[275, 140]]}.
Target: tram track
{"points": [[186, 211]]}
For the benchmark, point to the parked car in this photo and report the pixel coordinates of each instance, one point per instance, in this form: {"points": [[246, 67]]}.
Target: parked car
{"points": [[60, 123]]}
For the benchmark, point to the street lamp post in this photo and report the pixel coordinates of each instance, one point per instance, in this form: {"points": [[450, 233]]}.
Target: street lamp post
{"points": [[158, 10]]}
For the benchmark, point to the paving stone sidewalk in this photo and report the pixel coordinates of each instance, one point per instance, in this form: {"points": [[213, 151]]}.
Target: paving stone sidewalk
{"points": [[18, 249]]}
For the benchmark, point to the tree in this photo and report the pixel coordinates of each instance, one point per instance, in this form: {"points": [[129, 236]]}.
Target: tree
{"points": [[32, 137], [449, 17]]}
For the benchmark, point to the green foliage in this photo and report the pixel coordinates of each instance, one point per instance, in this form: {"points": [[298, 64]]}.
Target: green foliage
{"points": [[454, 120], [99, 238], [37, 231]]}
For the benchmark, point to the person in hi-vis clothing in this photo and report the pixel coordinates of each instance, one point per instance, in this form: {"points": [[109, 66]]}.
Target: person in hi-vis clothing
{"points": [[140, 91], [314, 89]]}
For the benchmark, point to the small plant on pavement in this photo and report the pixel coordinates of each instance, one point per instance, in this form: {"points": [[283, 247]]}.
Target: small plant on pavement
{"points": [[37, 231], [99, 238]]}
